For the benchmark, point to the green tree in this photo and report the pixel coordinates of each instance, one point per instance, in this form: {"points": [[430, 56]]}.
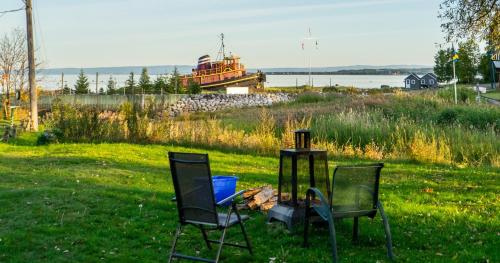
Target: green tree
{"points": [[194, 87], [175, 83], [101, 91], [468, 57], [145, 81], [82, 84], [111, 86], [130, 84], [443, 67], [66, 89], [160, 85], [470, 19], [484, 67]]}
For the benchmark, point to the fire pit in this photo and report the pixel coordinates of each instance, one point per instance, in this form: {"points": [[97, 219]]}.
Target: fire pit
{"points": [[300, 168]]}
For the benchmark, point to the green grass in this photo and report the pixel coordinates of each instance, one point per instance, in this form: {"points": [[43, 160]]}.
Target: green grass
{"points": [[493, 95], [82, 203]]}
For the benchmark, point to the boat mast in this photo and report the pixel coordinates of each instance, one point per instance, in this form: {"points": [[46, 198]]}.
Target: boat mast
{"points": [[222, 51]]}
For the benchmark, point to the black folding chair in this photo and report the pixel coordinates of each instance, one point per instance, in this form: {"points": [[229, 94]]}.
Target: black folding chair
{"points": [[196, 203], [354, 194]]}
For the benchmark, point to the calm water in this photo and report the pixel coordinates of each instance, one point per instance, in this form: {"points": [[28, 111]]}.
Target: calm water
{"points": [[51, 82], [359, 81]]}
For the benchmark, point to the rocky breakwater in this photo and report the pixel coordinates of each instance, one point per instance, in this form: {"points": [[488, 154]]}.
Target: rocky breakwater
{"points": [[216, 102]]}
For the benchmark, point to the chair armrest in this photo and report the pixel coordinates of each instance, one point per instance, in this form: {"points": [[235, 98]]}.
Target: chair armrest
{"points": [[230, 198], [323, 209]]}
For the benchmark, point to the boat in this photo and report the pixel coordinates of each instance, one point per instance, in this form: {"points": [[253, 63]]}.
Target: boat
{"points": [[224, 72]]}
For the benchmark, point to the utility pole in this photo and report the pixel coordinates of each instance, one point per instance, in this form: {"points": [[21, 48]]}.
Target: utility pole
{"points": [[97, 83], [31, 65], [62, 83]]}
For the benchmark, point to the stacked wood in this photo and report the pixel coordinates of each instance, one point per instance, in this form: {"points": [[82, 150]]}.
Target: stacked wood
{"points": [[261, 198]]}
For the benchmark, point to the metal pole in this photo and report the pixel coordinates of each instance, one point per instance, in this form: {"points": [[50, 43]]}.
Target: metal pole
{"points": [[62, 82], [493, 84], [310, 67], [96, 83], [455, 82], [31, 65]]}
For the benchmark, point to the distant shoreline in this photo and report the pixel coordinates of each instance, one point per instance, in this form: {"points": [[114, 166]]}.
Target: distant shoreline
{"points": [[334, 73]]}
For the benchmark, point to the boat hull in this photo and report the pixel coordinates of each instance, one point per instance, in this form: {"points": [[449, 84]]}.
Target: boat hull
{"points": [[254, 81]]}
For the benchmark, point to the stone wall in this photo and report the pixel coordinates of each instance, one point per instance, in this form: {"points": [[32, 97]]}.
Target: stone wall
{"points": [[215, 102]]}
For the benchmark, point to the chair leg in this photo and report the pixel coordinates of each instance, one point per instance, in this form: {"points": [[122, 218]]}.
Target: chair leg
{"points": [[355, 230], [174, 244], [221, 241], [205, 237], [387, 229], [333, 239], [243, 230]]}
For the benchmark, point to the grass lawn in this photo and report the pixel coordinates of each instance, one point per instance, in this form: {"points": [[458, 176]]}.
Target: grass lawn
{"points": [[493, 95], [110, 203]]}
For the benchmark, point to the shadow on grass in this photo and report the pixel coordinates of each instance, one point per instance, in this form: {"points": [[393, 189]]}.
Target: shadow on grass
{"points": [[57, 204]]}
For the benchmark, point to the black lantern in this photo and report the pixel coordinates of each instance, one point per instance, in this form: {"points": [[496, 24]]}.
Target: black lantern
{"points": [[300, 168]]}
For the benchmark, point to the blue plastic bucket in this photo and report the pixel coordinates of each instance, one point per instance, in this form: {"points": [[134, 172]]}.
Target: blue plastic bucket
{"points": [[224, 186]]}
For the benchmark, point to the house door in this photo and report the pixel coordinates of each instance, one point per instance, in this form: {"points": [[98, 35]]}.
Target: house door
{"points": [[408, 86]]}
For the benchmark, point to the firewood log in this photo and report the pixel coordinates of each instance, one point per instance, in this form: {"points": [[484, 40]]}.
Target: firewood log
{"points": [[263, 196], [252, 192]]}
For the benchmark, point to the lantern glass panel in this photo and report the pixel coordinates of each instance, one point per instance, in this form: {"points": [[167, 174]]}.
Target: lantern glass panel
{"points": [[321, 179], [286, 182], [303, 178]]}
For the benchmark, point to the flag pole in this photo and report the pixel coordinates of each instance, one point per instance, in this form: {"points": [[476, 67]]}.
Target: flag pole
{"points": [[455, 81]]}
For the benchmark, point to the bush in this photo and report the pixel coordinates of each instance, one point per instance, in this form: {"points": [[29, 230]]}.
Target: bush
{"points": [[309, 97], [464, 94], [49, 137], [447, 117]]}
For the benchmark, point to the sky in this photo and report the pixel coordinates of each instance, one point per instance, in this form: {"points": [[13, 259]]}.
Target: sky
{"points": [[265, 33]]}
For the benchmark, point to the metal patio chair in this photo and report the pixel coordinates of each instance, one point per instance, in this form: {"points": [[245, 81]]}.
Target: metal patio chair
{"points": [[354, 194], [196, 204]]}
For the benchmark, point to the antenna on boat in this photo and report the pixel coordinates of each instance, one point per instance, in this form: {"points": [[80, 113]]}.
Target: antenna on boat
{"points": [[222, 51]]}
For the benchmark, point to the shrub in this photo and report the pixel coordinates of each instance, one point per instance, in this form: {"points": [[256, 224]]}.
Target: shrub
{"points": [[49, 137], [464, 94], [309, 97]]}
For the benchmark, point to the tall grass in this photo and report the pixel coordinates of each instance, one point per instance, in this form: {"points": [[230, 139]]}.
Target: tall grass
{"points": [[376, 128]]}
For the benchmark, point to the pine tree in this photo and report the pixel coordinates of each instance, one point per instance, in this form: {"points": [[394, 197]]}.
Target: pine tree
{"points": [[130, 84], [160, 85], [443, 67], [145, 81], [82, 84], [175, 83], [66, 89], [111, 86]]}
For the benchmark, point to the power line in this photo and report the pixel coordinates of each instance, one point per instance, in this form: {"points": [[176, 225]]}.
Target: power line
{"points": [[12, 11]]}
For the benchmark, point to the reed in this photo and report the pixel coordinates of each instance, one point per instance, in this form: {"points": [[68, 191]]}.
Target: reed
{"points": [[375, 128]]}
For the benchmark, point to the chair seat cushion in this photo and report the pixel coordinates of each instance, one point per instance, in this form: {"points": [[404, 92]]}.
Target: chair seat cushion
{"points": [[233, 220]]}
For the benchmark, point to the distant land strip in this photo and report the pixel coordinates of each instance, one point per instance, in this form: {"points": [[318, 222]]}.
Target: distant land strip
{"points": [[355, 72]]}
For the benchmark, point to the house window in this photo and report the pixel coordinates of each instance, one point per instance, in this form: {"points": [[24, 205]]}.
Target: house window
{"points": [[412, 81], [422, 81], [431, 81]]}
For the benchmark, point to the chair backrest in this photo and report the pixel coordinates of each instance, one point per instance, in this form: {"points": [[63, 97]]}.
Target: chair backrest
{"points": [[193, 188], [355, 188]]}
